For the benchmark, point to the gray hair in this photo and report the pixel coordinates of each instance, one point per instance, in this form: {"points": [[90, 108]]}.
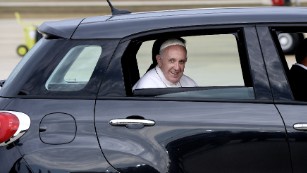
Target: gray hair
{"points": [[171, 42]]}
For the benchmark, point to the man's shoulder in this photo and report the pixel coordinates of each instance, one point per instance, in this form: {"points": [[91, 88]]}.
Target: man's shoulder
{"points": [[148, 80], [186, 80], [297, 69], [151, 74]]}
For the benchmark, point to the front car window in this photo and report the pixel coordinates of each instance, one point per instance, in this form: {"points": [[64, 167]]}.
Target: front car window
{"points": [[215, 62]]}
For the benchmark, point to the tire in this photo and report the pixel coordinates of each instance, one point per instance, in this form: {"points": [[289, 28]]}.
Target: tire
{"points": [[289, 41], [22, 50]]}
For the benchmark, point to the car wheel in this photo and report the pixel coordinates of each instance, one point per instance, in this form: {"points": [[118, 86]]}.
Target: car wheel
{"points": [[22, 50], [289, 41]]}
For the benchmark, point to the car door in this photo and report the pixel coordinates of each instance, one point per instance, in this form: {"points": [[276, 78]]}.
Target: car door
{"points": [[293, 111], [207, 130]]}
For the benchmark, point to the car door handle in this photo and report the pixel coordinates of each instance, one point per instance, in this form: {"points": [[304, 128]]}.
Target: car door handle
{"points": [[131, 122], [300, 126]]}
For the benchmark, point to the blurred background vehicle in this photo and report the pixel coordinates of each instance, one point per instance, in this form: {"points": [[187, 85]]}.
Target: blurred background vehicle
{"points": [[31, 36], [288, 41], [281, 2]]}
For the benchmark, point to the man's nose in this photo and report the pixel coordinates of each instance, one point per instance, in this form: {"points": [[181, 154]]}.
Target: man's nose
{"points": [[176, 66]]}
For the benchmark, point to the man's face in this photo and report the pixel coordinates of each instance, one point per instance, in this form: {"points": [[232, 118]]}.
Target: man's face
{"points": [[172, 62]]}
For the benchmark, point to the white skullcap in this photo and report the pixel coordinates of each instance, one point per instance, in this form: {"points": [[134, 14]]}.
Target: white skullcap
{"points": [[171, 42]]}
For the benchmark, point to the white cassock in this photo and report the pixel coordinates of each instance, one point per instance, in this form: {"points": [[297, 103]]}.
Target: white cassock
{"points": [[154, 78]]}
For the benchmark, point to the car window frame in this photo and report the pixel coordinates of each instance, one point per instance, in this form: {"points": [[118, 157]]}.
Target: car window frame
{"points": [[89, 91]]}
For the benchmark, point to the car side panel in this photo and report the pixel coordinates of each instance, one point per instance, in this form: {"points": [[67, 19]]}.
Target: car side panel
{"points": [[4, 102], [292, 112], [8, 158], [80, 153], [193, 137], [296, 114]]}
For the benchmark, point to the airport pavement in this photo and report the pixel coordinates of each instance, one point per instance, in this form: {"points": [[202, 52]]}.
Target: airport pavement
{"points": [[131, 3], [54, 8], [127, 3]]}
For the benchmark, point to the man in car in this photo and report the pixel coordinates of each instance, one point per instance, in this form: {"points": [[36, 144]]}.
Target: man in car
{"points": [[298, 73], [171, 62]]}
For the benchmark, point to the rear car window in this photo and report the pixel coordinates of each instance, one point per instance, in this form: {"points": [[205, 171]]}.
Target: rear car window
{"points": [[75, 69]]}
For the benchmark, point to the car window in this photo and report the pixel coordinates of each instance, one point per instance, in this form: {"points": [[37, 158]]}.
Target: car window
{"points": [[75, 69], [292, 46], [206, 54], [214, 62]]}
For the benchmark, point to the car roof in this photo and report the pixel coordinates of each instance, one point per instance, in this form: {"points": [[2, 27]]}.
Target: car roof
{"points": [[124, 25]]}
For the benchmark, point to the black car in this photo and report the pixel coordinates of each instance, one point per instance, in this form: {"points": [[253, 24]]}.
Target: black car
{"points": [[69, 106]]}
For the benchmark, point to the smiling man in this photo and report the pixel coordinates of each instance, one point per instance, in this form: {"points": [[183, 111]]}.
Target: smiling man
{"points": [[171, 62]]}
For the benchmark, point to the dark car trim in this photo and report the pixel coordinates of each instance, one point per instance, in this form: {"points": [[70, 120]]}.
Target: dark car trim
{"points": [[279, 83], [124, 25], [63, 29]]}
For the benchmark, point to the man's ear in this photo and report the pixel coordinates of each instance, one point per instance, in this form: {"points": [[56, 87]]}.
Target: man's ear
{"points": [[158, 58]]}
